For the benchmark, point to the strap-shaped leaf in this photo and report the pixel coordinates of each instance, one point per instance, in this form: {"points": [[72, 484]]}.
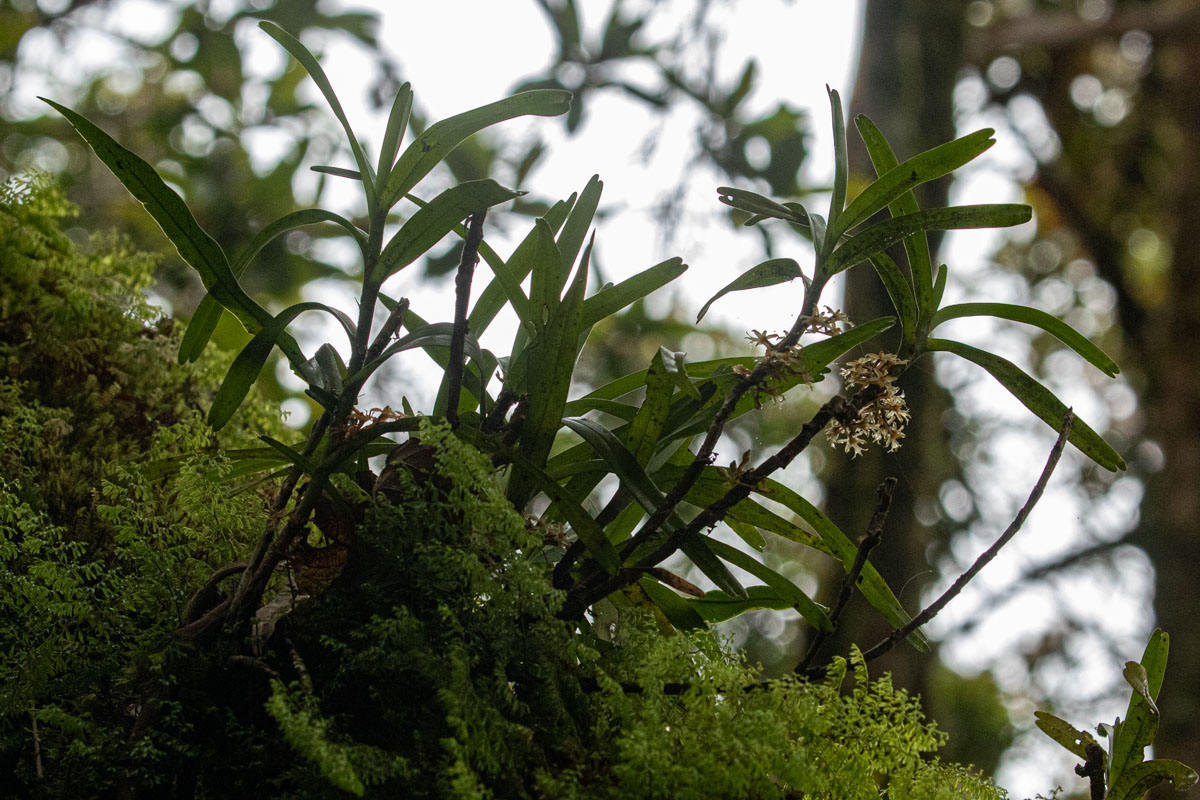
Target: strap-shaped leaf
{"points": [[612, 299], [841, 164], [493, 296], [393, 134], [1037, 398], [716, 606], [635, 480], [872, 585], [676, 366], [884, 234], [436, 142], [196, 247], [249, 363], [768, 273], [428, 225], [677, 610], [902, 178], [713, 485], [812, 612], [550, 357], [313, 68], [1032, 316], [647, 424], [916, 247], [208, 313], [337, 172], [1063, 732], [575, 229], [900, 292], [761, 207]]}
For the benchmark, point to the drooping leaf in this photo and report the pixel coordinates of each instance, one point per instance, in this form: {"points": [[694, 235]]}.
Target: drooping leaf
{"points": [[208, 313], [717, 606], [436, 141], [768, 273], [884, 234], [428, 225], [1032, 316], [1143, 777], [196, 247], [313, 68], [1037, 398]]}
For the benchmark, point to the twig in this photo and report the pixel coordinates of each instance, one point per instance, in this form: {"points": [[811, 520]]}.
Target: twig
{"points": [[869, 542], [934, 608], [462, 298], [390, 326]]}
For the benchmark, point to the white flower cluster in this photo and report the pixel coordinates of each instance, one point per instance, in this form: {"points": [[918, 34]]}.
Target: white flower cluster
{"points": [[883, 419]]}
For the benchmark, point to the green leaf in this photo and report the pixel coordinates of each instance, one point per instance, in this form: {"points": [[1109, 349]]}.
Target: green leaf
{"points": [[901, 179], [677, 610], [746, 532], [1145, 776], [838, 544], [1037, 398], [884, 234], [550, 357], [756, 204], [768, 273], [249, 363], [1137, 732], [841, 165], [492, 298], [635, 480], [612, 299], [717, 606], [397, 124], [313, 68], [647, 424], [195, 246], [901, 293], [916, 247], [812, 612], [337, 172], [504, 279], [574, 230], [208, 313], [1063, 732], [428, 225], [1032, 316], [436, 142]]}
